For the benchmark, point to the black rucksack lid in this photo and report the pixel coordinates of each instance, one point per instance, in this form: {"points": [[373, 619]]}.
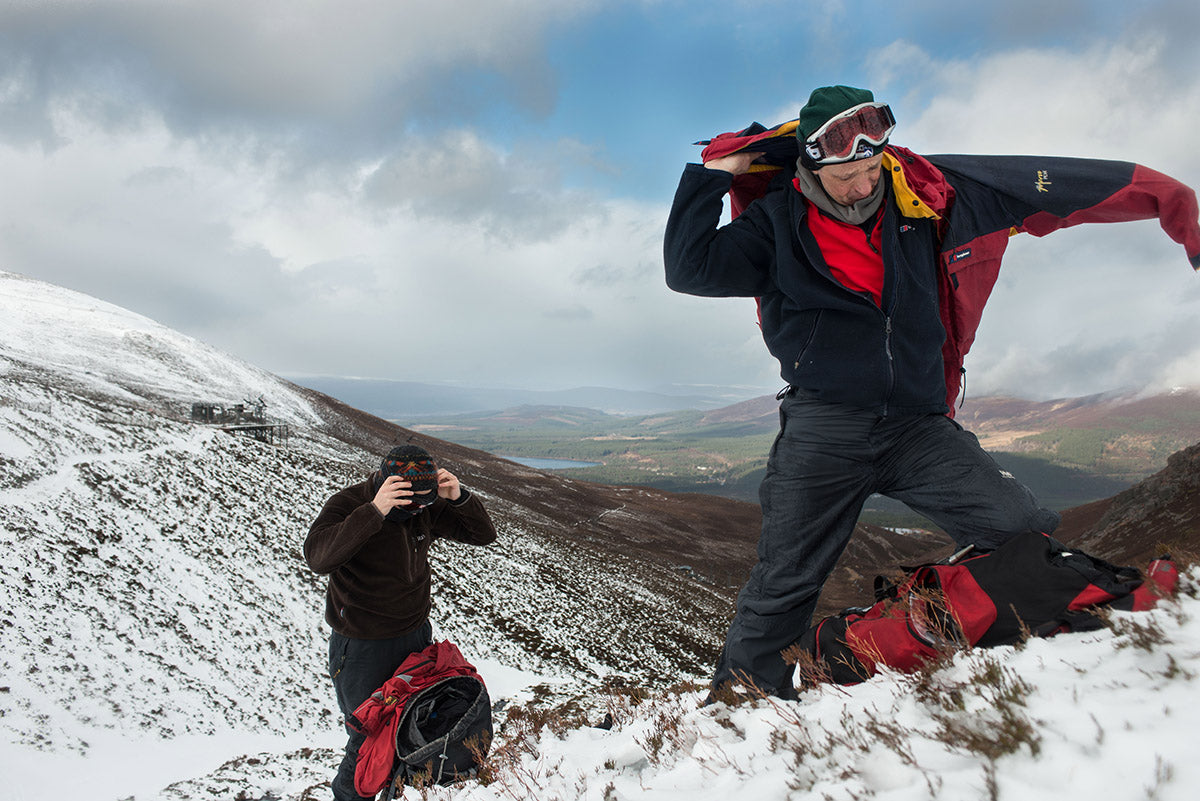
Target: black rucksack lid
{"points": [[445, 729]]}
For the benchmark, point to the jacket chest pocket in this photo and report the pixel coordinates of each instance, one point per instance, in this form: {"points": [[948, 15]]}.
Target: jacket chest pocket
{"points": [[416, 555], [971, 271]]}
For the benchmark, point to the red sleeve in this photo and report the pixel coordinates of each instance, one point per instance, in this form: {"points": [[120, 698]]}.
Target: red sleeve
{"points": [[1149, 194]]}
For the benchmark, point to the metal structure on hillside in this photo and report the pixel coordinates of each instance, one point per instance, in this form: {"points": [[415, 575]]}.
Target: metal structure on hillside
{"points": [[248, 419]]}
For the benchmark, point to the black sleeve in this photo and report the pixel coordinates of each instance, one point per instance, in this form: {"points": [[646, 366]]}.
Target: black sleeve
{"points": [[340, 530], [1042, 194], [465, 520], [702, 259]]}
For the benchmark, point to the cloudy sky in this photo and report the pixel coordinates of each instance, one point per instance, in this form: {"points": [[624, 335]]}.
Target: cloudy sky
{"points": [[474, 191]]}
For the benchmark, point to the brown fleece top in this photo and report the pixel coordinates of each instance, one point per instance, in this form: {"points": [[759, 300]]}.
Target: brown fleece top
{"points": [[379, 569]]}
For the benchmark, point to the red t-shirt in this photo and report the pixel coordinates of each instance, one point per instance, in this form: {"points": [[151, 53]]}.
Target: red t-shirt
{"points": [[854, 258]]}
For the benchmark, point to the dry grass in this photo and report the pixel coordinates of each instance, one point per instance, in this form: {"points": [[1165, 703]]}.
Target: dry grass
{"points": [[974, 705]]}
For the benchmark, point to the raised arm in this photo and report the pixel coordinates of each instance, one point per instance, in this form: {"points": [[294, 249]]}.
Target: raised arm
{"points": [[704, 259], [339, 531], [463, 517]]}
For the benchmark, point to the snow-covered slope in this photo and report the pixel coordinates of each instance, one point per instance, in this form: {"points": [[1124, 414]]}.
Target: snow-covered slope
{"points": [[152, 589], [161, 638], [154, 595], [1108, 714]]}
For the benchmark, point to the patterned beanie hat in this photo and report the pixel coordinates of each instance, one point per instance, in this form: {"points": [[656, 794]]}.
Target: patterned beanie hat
{"points": [[413, 464]]}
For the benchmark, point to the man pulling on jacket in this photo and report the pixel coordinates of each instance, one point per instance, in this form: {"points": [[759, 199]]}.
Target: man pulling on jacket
{"points": [[373, 541], [871, 266]]}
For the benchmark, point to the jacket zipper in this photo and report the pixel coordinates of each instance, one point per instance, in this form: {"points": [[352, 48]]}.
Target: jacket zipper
{"points": [[808, 340], [891, 361], [871, 244], [887, 305]]}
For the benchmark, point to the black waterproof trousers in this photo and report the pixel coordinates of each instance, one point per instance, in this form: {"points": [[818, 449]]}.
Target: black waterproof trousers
{"points": [[825, 463], [359, 668]]}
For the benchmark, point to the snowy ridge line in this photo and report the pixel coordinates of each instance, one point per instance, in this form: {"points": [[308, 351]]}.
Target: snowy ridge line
{"points": [[1068, 717], [105, 350]]}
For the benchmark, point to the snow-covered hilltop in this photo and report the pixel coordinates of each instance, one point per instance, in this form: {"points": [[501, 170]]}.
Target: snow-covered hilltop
{"points": [[92, 348], [161, 638]]}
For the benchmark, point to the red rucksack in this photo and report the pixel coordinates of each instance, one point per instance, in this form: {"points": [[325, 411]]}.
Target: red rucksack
{"points": [[1031, 585], [432, 718]]}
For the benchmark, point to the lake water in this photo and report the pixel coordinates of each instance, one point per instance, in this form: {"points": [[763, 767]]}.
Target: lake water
{"points": [[548, 464]]}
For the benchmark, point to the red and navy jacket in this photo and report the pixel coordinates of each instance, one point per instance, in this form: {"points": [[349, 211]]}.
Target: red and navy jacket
{"points": [[946, 224]]}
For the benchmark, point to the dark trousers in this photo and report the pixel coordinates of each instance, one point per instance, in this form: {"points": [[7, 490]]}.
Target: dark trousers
{"points": [[825, 463], [359, 668]]}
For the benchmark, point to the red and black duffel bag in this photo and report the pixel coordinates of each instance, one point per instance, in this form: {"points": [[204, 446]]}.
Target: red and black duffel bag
{"points": [[1030, 586]]}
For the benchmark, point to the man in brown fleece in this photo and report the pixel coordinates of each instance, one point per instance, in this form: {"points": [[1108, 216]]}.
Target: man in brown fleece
{"points": [[372, 539]]}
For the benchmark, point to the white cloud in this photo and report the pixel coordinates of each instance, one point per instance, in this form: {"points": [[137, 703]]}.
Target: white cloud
{"points": [[466, 179], [1113, 100], [321, 276], [1084, 310], [337, 76]]}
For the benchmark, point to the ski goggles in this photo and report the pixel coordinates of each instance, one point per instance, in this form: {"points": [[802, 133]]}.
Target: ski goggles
{"points": [[844, 137]]}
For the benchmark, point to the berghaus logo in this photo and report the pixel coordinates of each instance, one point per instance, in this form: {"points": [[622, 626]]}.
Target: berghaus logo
{"points": [[960, 255]]}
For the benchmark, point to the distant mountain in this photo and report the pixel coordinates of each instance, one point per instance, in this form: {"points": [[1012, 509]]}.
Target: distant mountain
{"points": [[1141, 428], [1160, 515], [1123, 436], [404, 401], [528, 416], [1067, 450]]}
